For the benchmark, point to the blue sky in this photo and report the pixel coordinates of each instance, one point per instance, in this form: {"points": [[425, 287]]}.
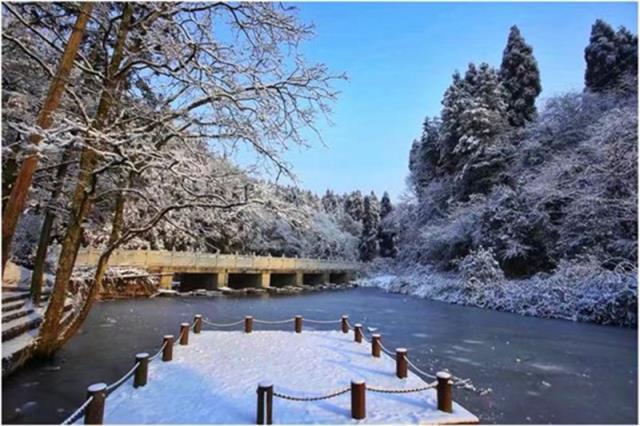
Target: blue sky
{"points": [[399, 58]]}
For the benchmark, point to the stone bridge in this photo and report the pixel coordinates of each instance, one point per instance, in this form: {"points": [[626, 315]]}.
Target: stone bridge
{"points": [[213, 271]]}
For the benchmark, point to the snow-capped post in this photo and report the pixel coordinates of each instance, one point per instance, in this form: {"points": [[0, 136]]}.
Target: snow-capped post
{"points": [[94, 412], [167, 352], [298, 323], [197, 321], [248, 324], [345, 323], [357, 335], [358, 403], [401, 363], [140, 376], [184, 333], [265, 403], [375, 345], [445, 390]]}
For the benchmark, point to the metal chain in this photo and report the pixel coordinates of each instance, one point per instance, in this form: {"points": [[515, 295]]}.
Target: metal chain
{"points": [[157, 354], [115, 385], [230, 324], [387, 351], [273, 322], [312, 398], [382, 390], [424, 373], [78, 413], [321, 321]]}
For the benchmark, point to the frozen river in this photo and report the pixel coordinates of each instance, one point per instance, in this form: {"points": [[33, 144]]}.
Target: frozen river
{"points": [[539, 371]]}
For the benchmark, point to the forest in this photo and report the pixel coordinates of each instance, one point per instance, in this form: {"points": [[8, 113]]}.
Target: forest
{"points": [[522, 210]]}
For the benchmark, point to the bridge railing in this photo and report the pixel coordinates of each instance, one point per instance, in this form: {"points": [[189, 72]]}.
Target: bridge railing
{"points": [[157, 259]]}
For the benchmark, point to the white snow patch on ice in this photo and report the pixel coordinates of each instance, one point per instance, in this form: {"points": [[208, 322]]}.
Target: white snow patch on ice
{"points": [[214, 380]]}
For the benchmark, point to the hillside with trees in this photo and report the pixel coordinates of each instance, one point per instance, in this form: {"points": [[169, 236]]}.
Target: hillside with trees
{"points": [[523, 210]]}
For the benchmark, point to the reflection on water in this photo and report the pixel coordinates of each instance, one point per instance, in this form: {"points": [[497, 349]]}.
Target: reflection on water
{"points": [[539, 371]]}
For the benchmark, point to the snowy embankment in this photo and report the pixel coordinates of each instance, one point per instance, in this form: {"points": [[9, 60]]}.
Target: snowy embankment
{"points": [[214, 380], [574, 293]]}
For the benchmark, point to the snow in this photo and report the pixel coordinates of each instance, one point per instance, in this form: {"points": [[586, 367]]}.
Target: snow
{"points": [[573, 292], [18, 343], [214, 380]]}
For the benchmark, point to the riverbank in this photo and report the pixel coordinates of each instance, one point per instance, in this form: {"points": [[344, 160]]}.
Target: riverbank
{"points": [[574, 292], [214, 379]]}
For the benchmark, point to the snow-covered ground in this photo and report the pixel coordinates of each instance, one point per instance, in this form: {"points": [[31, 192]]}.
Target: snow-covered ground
{"points": [[572, 292], [214, 380]]}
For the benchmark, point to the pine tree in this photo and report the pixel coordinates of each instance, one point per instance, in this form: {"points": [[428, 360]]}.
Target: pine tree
{"points": [[611, 57], [424, 156], [520, 79], [368, 239], [474, 112], [386, 236], [354, 206], [329, 201]]}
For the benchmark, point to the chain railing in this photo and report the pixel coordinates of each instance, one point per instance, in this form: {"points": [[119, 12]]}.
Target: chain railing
{"points": [[75, 416], [93, 407], [330, 395]]}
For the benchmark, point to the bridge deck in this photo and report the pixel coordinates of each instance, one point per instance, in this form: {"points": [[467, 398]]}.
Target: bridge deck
{"points": [[220, 266]]}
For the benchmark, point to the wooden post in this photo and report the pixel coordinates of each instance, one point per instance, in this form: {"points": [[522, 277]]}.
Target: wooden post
{"points": [[94, 412], [265, 403], [375, 345], [167, 352], [357, 334], [358, 403], [140, 376], [197, 320], [345, 323], [184, 333], [248, 324], [298, 323], [401, 363], [445, 390]]}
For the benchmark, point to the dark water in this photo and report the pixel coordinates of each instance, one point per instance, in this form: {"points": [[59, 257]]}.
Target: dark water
{"points": [[540, 371]]}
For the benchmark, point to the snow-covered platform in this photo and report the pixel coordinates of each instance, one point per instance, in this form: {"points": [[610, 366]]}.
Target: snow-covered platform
{"points": [[214, 380]]}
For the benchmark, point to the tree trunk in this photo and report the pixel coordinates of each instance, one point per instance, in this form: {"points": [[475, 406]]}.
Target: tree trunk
{"points": [[20, 190], [101, 268], [45, 232], [49, 343]]}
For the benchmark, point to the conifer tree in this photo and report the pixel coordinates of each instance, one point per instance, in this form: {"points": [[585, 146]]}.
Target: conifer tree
{"points": [[368, 239], [354, 206], [386, 236], [520, 79], [611, 57]]}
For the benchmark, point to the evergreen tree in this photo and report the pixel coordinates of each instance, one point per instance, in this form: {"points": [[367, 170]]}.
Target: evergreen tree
{"points": [[329, 201], [386, 236], [385, 205], [520, 78], [368, 239], [474, 112], [424, 156], [611, 57], [354, 206]]}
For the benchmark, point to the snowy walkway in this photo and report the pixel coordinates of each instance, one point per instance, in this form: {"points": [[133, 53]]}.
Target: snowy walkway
{"points": [[214, 380]]}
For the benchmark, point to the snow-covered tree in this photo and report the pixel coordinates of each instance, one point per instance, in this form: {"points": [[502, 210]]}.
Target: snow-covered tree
{"points": [[424, 157], [520, 79], [386, 232], [354, 206], [612, 59], [473, 114], [370, 220]]}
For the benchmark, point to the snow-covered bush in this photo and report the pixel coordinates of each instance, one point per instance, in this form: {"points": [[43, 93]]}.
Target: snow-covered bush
{"points": [[480, 265]]}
